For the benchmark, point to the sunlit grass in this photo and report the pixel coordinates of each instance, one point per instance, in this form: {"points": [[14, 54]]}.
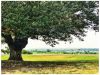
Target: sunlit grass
{"points": [[61, 57]]}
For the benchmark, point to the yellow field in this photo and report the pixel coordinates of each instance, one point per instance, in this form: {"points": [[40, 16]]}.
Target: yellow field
{"points": [[60, 57]]}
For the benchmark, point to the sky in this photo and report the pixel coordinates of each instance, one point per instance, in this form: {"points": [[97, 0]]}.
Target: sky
{"points": [[90, 41]]}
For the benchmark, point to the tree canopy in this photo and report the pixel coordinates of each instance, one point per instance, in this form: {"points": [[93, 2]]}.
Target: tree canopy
{"points": [[49, 20]]}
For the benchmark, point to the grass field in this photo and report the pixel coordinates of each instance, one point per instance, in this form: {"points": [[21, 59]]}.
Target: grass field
{"points": [[52, 64]]}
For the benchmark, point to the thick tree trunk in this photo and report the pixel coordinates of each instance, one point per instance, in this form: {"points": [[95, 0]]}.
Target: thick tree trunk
{"points": [[15, 45], [15, 55]]}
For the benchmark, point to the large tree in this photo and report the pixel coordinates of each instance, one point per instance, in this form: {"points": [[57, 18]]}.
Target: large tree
{"points": [[46, 20]]}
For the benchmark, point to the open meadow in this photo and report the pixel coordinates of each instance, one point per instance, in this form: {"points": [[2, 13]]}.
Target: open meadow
{"points": [[52, 64]]}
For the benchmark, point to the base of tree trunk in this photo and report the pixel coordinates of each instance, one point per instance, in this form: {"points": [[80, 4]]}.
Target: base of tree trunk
{"points": [[15, 55], [15, 59]]}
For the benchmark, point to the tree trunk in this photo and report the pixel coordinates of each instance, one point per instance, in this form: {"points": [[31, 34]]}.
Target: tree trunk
{"points": [[16, 49], [15, 55], [15, 45]]}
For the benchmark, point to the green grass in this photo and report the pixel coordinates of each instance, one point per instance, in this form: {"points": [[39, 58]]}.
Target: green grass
{"points": [[52, 64], [61, 57]]}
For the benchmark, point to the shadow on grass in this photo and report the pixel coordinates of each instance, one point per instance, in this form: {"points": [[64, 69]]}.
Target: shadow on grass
{"points": [[6, 63], [78, 61], [48, 66]]}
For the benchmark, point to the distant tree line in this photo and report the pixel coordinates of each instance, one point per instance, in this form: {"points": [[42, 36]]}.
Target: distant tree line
{"points": [[48, 51]]}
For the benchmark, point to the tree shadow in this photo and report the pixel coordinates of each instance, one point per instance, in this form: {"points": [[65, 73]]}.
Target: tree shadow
{"points": [[39, 66]]}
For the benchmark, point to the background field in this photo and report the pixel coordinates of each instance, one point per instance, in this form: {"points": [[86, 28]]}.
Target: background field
{"points": [[56, 57], [53, 63]]}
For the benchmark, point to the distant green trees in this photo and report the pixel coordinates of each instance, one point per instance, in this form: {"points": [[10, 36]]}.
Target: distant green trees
{"points": [[48, 51], [26, 52]]}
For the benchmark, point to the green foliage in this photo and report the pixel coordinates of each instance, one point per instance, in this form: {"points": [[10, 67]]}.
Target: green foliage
{"points": [[49, 20], [26, 52], [48, 50], [5, 51]]}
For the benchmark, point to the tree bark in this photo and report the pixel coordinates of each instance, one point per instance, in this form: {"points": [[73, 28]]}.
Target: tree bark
{"points": [[15, 55], [15, 45], [16, 49]]}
